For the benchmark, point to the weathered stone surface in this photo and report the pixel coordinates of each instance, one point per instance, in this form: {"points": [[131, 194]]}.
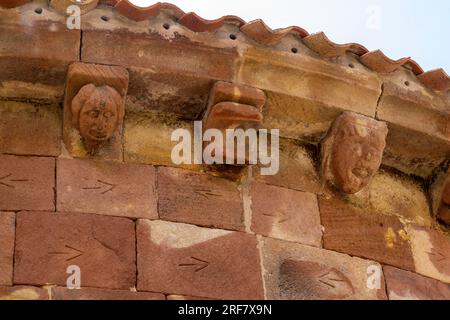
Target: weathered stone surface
{"points": [[94, 108], [414, 153], [27, 47], [352, 151], [418, 139], [405, 285], [196, 198], [62, 5], [23, 293], [230, 92], [60, 293], [48, 243], [295, 84], [444, 214], [12, 3], [286, 214], [189, 298], [147, 138], [431, 251], [297, 272], [107, 188], [188, 260], [392, 193], [297, 169], [26, 183], [30, 129], [365, 234], [168, 71], [7, 231], [407, 103], [440, 196]]}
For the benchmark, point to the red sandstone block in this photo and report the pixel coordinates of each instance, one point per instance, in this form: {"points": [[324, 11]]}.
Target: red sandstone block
{"points": [[431, 250], [29, 129], [107, 188], [60, 293], [296, 272], [405, 285], [286, 214], [23, 293], [26, 183], [187, 260], [7, 229], [365, 234], [188, 298], [200, 199], [48, 243], [27, 47]]}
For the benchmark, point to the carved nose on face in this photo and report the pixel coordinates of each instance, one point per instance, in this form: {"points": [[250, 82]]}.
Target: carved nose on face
{"points": [[100, 124]]}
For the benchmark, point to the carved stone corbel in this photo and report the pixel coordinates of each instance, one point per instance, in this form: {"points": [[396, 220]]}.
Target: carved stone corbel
{"points": [[233, 106], [352, 151], [440, 197], [94, 108]]}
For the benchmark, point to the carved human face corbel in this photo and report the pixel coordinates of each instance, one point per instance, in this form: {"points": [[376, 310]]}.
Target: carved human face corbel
{"points": [[352, 151], [97, 112], [440, 197], [94, 109]]}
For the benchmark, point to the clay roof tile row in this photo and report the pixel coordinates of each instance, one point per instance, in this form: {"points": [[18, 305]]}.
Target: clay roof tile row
{"points": [[261, 33]]}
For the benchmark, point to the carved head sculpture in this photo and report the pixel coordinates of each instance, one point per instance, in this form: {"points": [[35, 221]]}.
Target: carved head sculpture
{"points": [[352, 151], [440, 197], [97, 112]]}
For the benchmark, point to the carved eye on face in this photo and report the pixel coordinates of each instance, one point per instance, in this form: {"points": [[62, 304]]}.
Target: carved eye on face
{"points": [[93, 113], [357, 150], [108, 114]]}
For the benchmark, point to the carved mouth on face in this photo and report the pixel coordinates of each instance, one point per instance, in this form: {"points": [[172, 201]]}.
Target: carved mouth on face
{"points": [[361, 172], [98, 135]]}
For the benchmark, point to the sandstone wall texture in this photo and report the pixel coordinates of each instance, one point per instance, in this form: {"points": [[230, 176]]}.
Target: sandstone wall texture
{"points": [[139, 226]]}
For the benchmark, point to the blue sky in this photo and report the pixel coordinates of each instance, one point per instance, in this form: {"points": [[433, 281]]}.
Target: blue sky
{"points": [[418, 29]]}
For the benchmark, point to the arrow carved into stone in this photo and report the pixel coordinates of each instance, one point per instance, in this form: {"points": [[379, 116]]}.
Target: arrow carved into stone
{"points": [[282, 217], [105, 186], [207, 193], [440, 256], [8, 182], [330, 278], [199, 264], [75, 253]]}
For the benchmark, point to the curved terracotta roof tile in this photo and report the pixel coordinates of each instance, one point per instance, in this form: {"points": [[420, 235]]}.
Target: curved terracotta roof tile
{"points": [[436, 79], [174, 10], [133, 12], [198, 24], [136, 13], [320, 43], [414, 66], [12, 3], [379, 62], [261, 33]]}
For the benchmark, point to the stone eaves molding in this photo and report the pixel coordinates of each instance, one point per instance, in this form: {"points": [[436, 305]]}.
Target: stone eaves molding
{"points": [[261, 33], [174, 59]]}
